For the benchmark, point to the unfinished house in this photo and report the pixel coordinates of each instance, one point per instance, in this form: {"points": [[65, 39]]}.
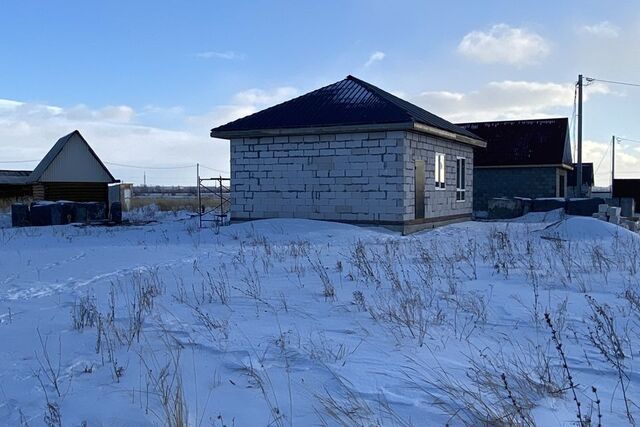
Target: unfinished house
{"points": [[523, 158], [351, 152]]}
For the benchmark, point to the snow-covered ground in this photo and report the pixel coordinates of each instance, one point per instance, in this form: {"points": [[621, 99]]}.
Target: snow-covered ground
{"points": [[294, 322]]}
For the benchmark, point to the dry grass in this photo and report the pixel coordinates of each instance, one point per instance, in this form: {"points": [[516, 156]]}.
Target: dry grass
{"points": [[174, 204], [5, 204]]}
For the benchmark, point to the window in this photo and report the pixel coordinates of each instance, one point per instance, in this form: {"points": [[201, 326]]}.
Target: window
{"points": [[461, 183], [439, 170]]}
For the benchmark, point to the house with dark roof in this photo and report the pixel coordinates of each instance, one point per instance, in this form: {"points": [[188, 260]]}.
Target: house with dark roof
{"points": [[523, 158], [71, 171], [588, 180], [351, 152]]}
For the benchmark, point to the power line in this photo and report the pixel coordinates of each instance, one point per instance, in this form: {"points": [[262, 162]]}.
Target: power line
{"points": [[627, 139], [150, 167], [19, 161], [573, 119], [212, 169], [591, 79], [602, 159]]}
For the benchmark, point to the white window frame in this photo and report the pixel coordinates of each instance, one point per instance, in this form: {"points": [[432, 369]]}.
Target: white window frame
{"points": [[461, 179], [440, 171]]}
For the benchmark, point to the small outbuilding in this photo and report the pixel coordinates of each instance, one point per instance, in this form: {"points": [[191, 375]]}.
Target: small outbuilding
{"points": [[71, 171], [351, 152], [523, 158]]}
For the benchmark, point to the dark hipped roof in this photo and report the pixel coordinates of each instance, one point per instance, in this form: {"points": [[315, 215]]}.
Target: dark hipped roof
{"points": [[349, 102], [11, 177], [522, 142], [55, 150], [587, 175]]}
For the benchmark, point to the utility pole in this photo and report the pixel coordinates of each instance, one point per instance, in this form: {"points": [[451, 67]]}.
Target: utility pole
{"points": [[144, 178], [199, 195], [579, 174], [613, 161]]}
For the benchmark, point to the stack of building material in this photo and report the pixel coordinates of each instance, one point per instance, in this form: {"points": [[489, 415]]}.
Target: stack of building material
{"points": [[59, 213], [20, 215], [613, 214], [45, 213], [632, 224], [583, 207], [602, 212], [116, 212], [503, 208]]}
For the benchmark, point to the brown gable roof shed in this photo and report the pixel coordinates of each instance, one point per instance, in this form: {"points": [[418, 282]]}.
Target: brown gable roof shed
{"points": [[523, 142], [70, 170]]}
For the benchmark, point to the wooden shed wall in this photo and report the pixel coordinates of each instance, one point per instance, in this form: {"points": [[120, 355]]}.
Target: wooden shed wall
{"points": [[10, 191], [72, 191]]}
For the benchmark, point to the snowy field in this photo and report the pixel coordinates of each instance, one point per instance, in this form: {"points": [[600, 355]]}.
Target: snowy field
{"points": [[303, 323]]}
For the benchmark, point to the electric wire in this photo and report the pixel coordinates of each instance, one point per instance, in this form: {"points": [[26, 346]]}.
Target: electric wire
{"points": [[592, 79], [602, 159], [627, 140], [572, 124], [213, 169], [150, 167]]}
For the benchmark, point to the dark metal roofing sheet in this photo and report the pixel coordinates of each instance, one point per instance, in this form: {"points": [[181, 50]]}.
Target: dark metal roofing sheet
{"points": [[348, 102], [522, 142], [12, 177]]}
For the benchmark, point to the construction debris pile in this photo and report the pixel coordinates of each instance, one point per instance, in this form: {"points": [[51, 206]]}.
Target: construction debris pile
{"points": [[613, 215]]}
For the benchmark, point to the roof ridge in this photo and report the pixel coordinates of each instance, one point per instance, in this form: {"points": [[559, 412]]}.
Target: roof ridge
{"points": [[511, 121]]}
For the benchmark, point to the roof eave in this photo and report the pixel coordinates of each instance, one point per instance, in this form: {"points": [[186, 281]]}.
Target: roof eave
{"points": [[420, 127], [526, 165], [374, 127]]}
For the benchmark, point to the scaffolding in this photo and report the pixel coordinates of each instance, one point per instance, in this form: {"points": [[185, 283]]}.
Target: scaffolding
{"points": [[218, 213]]}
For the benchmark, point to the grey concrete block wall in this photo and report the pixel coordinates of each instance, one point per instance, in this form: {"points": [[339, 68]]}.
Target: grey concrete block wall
{"points": [[356, 177], [438, 202], [530, 182]]}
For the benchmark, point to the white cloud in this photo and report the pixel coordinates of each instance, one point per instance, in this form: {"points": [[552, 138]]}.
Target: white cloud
{"points": [[110, 113], [599, 153], [243, 104], [228, 55], [504, 100], [504, 44], [375, 57], [28, 131], [265, 98], [601, 29], [119, 134]]}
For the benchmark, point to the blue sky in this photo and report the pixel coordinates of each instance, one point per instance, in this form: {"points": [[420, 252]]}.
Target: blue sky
{"points": [[145, 80]]}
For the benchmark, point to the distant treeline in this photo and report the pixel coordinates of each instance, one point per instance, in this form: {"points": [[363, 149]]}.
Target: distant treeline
{"points": [[164, 190]]}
